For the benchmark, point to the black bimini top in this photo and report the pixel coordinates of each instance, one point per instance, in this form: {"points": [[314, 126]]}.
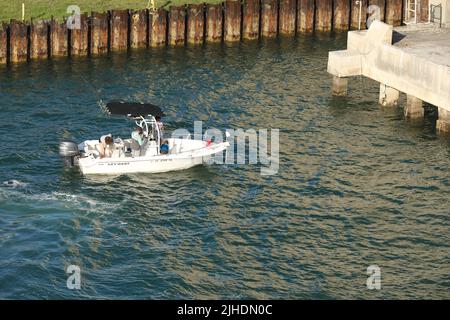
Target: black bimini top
{"points": [[133, 109]]}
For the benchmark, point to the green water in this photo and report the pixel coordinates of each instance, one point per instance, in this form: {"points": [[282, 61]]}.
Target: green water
{"points": [[357, 185]]}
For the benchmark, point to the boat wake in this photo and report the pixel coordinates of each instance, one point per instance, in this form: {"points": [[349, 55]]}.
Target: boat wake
{"points": [[14, 184], [14, 195]]}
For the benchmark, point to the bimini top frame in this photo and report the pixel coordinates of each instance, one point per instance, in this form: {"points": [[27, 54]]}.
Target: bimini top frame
{"points": [[144, 115], [149, 128]]}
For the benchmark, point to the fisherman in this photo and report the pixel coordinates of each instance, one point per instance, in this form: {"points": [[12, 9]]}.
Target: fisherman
{"points": [[137, 135], [106, 146], [160, 126]]}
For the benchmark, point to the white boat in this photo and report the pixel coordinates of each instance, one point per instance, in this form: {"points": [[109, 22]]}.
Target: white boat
{"points": [[126, 154]]}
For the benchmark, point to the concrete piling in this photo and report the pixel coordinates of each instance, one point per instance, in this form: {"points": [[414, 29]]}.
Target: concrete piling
{"points": [[195, 24], [79, 38], [269, 18], [305, 16], [339, 86], [139, 29], [250, 19], [359, 15], [39, 40], [18, 41], [394, 12], [324, 10], [3, 43], [443, 123], [214, 22], [287, 16], [388, 96], [99, 33], [413, 66], [341, 16], [119, 20], [232, 20], [414, 107], [157, 27], [177, 25]]}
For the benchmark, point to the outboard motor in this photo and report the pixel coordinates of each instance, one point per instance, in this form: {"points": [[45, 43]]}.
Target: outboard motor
{"points": [[69, 152]]}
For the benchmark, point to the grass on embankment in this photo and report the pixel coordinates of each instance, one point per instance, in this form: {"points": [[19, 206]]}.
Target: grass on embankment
{"points": [[45, 9]]}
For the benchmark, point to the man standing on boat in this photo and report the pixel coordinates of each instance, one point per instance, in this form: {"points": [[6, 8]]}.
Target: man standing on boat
{"points": [[160, 126], [138, 136]]}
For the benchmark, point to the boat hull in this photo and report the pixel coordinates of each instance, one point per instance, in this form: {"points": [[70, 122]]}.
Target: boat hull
{"points": [[153, 164], [134, 165]]}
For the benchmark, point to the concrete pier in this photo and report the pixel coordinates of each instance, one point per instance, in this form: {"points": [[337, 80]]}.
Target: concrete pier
{"points": [[388, 96], [443, 123], [414, 107], [414, 60], [340, 86]]}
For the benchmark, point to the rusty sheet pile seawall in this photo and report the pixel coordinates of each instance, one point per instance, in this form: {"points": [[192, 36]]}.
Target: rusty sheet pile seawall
{"points": [[194, 24]]}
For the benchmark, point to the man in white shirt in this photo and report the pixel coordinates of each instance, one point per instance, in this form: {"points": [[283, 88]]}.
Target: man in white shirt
{"points": [[160, 126]]}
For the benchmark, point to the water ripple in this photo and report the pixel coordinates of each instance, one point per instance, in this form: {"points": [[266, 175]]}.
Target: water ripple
{"points": [[357, 185]]}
